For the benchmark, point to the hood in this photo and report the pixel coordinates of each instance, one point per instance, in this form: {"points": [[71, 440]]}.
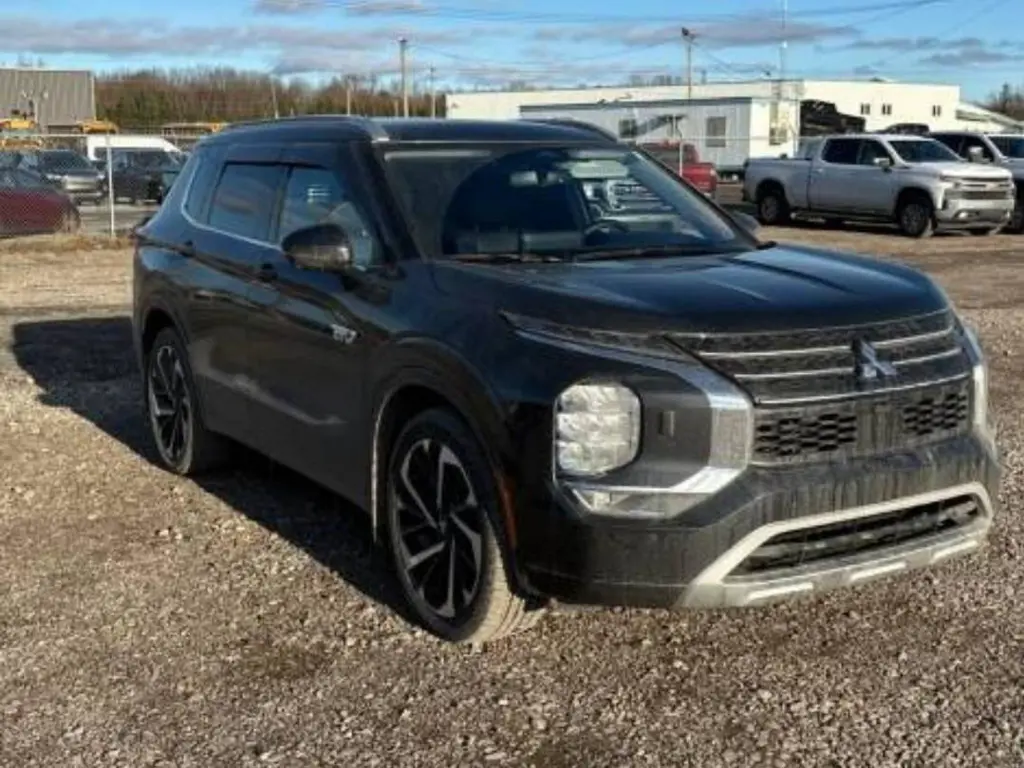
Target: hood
{"points": [[773, 289], [978, 171]]}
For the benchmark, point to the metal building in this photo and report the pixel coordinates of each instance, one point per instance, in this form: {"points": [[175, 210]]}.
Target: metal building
{"points": [[54, 97]]}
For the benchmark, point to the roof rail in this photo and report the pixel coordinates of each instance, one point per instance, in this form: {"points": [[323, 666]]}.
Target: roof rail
{"points": [[572, 122], [373, 128]]}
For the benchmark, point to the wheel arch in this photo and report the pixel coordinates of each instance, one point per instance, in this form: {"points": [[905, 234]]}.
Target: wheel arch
{"points": [[913, 192], [422, 375], [769, 184]]}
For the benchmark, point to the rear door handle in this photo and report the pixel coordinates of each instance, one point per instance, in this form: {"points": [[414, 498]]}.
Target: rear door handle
{"points": [[266, 273]]}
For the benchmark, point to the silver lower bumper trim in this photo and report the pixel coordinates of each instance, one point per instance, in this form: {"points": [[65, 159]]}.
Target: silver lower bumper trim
{"points": [[715, 587]]}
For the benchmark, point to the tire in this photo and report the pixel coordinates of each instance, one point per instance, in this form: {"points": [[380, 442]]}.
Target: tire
{"points": [[173, 409], [1016, 224], [916, 217], [442, 512], [772, 206]]}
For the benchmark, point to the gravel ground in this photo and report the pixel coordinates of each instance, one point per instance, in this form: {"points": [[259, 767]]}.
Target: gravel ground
{"points": [[247, 620]]}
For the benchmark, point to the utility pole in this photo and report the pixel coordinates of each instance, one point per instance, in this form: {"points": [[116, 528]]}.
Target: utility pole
{"points": [[433, 94], [403, 43], [273, 97], [688, 40]]}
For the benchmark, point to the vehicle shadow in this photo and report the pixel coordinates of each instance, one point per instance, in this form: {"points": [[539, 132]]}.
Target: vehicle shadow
{"points": [[87, 365]]}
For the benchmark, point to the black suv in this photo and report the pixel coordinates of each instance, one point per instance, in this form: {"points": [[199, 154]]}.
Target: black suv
{"points": [[547, 368]]}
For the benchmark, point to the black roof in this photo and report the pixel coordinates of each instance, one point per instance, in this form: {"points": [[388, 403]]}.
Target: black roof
{"points": [[343, 127]]}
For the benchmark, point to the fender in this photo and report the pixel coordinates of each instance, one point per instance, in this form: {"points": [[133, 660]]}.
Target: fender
{"points": [[427, 363]]}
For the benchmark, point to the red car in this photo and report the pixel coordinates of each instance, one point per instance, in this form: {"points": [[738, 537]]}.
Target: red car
{"points": [[703, 176], [30, 205]]}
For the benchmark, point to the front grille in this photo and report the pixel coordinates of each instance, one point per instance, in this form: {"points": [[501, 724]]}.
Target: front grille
{"points": [[807, 365], [862, 426], [987, 194], [811, 546]]}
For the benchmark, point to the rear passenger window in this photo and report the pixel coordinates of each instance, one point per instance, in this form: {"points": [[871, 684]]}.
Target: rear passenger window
{"points": [[316, 196], [202, 183], [243, 202], [842, 151]]}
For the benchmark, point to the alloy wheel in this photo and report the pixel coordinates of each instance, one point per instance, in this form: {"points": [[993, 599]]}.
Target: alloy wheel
{"points": [[770, 208], [170, 405], [439, 529]]}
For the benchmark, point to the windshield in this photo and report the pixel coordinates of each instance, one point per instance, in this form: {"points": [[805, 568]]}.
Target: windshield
{"points": [[1010, 146], [923, 151], [63, 160], [560, 201]]}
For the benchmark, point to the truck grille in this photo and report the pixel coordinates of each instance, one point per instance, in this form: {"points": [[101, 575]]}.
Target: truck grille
{"points": [[854, 537], [812, 365], [987, 194], [862, 426]]}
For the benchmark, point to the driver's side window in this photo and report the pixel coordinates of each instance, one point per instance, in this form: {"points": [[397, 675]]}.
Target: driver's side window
{"points": [[871, 152], [315, 196]]}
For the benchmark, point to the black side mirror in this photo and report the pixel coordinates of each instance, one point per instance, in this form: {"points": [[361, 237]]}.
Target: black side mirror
{"points": [[323, 247], [747, 222]]}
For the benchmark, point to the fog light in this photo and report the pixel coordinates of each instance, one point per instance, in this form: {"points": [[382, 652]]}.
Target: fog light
{"points": [[597, 428]]}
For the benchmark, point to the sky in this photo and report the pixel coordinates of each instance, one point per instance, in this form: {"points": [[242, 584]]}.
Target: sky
{"points": [[466, 44]]}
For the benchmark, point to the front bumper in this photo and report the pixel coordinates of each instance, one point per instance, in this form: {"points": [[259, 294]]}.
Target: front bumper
{"points": [[959, 212], [695, 560]]}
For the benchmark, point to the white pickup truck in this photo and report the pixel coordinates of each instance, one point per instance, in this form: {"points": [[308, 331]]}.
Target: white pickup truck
{"points": [[913, 181]]}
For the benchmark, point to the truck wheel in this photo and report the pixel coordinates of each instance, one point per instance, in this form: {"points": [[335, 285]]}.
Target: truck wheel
{"points": [[916, 217], [1015, 225], [442, 513], [772, 207]]}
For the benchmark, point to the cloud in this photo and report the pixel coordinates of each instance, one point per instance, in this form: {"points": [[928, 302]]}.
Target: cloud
{"points": [[911, 44], [354, 8], [971, 56], [748, 31], [116, 38]]}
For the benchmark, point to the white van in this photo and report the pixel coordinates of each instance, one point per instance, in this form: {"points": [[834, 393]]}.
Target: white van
{"points": [[96, 146]]}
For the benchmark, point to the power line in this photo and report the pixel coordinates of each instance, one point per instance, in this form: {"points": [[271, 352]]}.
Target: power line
{"points": [[364, 7]]}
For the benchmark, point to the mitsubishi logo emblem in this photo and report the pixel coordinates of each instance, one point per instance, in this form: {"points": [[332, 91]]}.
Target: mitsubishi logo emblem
{"points": [[867, 364]]}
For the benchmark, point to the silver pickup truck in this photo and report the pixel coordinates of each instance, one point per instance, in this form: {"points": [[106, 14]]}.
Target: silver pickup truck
{"points": [[913, 181], [1003, 149]]}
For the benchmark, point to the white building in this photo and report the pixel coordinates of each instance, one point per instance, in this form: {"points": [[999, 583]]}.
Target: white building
{"points": [[761, 117]]}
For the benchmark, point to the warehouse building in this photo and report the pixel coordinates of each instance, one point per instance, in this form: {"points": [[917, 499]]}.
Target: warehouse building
{"points": [[53, 97], [727, 122]]}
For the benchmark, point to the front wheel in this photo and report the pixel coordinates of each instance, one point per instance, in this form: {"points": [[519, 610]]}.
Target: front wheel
{"points": [[1016, 223], [442, 511], [916, 217]]}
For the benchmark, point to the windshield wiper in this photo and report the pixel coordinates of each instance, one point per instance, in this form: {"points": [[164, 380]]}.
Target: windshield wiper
{"points": [[652, 251], [507, 258]]}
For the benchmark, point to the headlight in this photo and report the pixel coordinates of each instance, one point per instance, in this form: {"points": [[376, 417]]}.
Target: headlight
{"points": [[597, 428], [979, 373]]}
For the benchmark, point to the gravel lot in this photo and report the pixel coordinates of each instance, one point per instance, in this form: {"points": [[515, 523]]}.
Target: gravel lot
{"points": [[247, 620]]}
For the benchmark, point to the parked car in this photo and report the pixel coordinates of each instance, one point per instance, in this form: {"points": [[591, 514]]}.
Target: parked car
{"points": [[534, 398], [703, 176], [31, 205], [143, 175], [1002, 149], [914, 181], [65, 169]]}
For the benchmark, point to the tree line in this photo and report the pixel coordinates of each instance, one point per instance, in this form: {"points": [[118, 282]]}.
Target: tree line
{"points": [[150, 98]]}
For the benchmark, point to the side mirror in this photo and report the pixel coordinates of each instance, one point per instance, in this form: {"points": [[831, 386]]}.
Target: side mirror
{"points": [[746, 222], [883, 162], [322, 247], [976, 155]]}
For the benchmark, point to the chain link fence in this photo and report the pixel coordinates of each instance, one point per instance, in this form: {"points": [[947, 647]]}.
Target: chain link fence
{"points": [[90, 184]]}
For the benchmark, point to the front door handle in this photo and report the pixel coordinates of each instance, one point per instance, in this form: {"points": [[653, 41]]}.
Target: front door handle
{"points": [[266, 273]]}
